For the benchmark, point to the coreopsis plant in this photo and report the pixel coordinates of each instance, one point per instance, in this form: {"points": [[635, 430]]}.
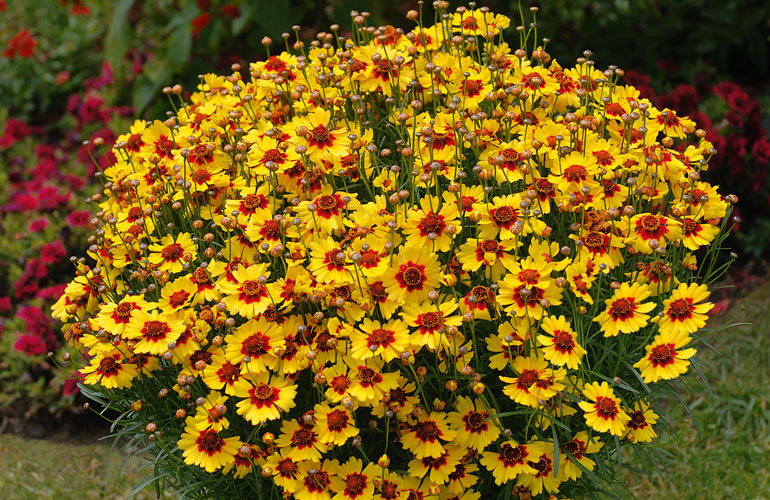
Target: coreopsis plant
{"points": [[418, 265]]}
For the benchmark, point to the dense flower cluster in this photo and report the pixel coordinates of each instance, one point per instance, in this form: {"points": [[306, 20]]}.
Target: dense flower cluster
{"points": [[403, 265]]}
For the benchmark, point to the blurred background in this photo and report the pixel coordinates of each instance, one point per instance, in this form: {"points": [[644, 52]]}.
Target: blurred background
{"points": [[78, 70]]}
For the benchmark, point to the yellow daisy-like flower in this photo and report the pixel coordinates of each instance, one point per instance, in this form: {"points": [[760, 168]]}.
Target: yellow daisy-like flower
{"points": [[425, 437], [414, 274], [154, 331], [206, 448], [353, 481], [115, 317], [512, 460], [110, 369], [427, 226], [248, 294], [473, 424], [325, 211], [665, 359], [625, 312], [323, 141], [265, 397], [373, 338], [431, 322], [284, 469], [334, 425], [543, 478], [602, 409], [685, 310], [168, 255], [652, 228], [561, 343], [299, 441], [578, 447], [177, 294], [437, 469], [536, 381], [639, 428], [255, 344]]}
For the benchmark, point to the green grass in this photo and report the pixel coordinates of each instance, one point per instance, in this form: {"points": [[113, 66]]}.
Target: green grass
{"points": [[35, 469], [733, 458]]}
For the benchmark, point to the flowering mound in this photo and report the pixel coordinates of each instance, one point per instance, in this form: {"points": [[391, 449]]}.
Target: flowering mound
{"points": [[399, 266]]}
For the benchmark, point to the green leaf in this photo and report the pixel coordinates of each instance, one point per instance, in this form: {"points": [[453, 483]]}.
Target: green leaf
{"points": [[119, 35]]}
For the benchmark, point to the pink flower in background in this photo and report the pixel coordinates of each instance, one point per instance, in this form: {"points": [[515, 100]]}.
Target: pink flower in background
{"points": [[760, 150], [5, 304], [53, 252]]}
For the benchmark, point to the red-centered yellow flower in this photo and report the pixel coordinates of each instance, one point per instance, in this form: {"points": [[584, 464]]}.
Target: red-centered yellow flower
{"points": [[697, 234], [334, 425], [354, 482], [473, 423], [460, 482], [491, 254], [211, 414], [431, 321], [529, 298], [205, 290], [115, 317], [543, 477], [501, 218], [168, 255], [425, 437], [328, 262], [578, 447], [479, 301], [574, 172], [324, 141], [476, 22], [299, 441], [154, 331], [382, 74], [259, 341], [221, 373], [207, 449], [652, 228], [265, 397], [248, 294], [600, 247], [367, 380], [580, 280], [397, 400], [326, 210], [317, 486], [658, 276], [507, 347], [665, 357], [265, 156], [473, 88], [176, 295], [512, 460], [285, 470], [439, 468], [685, 309], [536, 381], [639, 428], [386, 341], [561, 346], [110, 370], [626, 310], [427, 226], [414, 274], [602, 409]]}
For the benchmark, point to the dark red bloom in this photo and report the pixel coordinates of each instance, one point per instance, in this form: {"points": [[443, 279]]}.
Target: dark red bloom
{"points": [[200, 22], [723, 89], [22, 45], [30, 345], [53, 252], [38, 225], [5, 304], [79, 218], [760, 150], [231, 10], [15, 130]]}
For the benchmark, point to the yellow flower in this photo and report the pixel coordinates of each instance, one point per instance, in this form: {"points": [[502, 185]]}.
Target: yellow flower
{"points": [[626, 310], [265, 397], [414, 274], [642, 418], [602, 409], [665, 359], [206, 448], [512, 460], [169, 254], [685, 310], [110, 370], [248, 294], [154, 331], [425, 437], [561, 343]]}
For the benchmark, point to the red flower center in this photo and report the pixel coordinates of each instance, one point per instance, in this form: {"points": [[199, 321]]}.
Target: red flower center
{"points": [[430, 320], [427, 431], [251, 288], [381, 337], [155, 329], [503, 216], [490, 246], [622, 309], [337, 420], [563, 341], [512, 455], [638, 421], [124, 310], [209, 442], [255, 345], [527, 379], [319, 136], [172, 252], [326, 202], [178, 299], [662, 355], [475, 421], [606, 408], [679, 309], [108, 366], [575, 173], [650, 223], [431, 223], [355, 484]]}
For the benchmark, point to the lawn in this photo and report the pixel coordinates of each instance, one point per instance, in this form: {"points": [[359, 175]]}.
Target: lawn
{"points": [[732, 460]]}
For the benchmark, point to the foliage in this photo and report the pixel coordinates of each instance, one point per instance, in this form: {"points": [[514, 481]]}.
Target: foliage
{"points": [[363, 270]]}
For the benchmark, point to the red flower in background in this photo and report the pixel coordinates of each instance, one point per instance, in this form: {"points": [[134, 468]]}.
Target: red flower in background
{"points": [[231, 10], [30, 345], [38, 225], [760, 150], [79, 218], [15, 130], [200, 22], [641, 82], [22, 45]]}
